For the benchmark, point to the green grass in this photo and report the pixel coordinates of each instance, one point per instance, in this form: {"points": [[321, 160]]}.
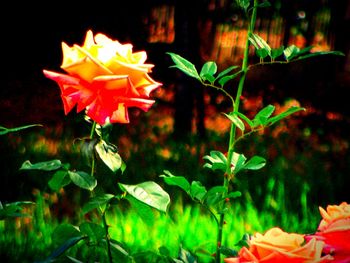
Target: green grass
{"points": [[185, 225]]}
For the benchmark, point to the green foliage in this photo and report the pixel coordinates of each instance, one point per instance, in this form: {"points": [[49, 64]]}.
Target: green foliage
{"points": [[233, 117], [149, 193], [44, 166], [218, 161], [59, 179], [170, 236], [109, 155], [234, 162], [142, 209], [179, 181], [63, 176], [244, 4], [98, 202], [209, 69], [184, 65], [291, 53], [83, 180], [262, 48], [14, 209]]}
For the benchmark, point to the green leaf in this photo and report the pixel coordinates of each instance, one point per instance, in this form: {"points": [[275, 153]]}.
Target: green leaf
{"points": [[263, 115], [234, 194], [143, 210], [276, 52], [262, 53], [59, 179], [243, 4], [216, 161], [13, 209], [186, 257], [87, 150], [123, 167], [294, 53], [255, 163], [209, 78], [108, 154], [260, 44], [226, 71], [244, 242], [83, 180], [321, 53], [290, 52], [228, 252], [99, 201], [214, 195], [236, 121], [184, 65], [119, 249], [4, 130], [238, 161], [44, 166], [149, 193], [179, 181], [304, 51], [74, 260], [225, 79], [164, 251], [104, 131], [284, 114], [63, 248], [94, 231], [197, 191], [208, 70], [245, 118], [64, 232]]}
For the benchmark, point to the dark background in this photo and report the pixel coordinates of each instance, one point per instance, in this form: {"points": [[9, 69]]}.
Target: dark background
{"points": [[31, 41], [32, 34]]}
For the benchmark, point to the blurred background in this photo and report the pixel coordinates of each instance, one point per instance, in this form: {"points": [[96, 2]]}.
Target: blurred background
{"points": [[307, 154]]}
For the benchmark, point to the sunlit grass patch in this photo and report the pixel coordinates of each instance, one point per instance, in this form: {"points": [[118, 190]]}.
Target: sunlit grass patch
{"points": [[186, 226]]}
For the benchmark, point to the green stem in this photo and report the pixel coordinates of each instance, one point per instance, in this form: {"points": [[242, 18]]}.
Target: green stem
{"points": [[220, 89], [92, 130], [105, 225], [103, 213], [228, 175]]}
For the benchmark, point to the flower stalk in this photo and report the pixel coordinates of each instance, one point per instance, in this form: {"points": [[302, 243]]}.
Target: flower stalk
{"points": [[101, 211], [229, 175]]}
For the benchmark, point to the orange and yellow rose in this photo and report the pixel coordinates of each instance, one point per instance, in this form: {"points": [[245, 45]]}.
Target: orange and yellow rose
{"points": [[334, 230], [105, 78], [278, 246]]}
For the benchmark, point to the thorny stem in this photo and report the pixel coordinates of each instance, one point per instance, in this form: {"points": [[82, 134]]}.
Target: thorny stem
{"points": [[102, 212], [229, 175], [222, 90]]}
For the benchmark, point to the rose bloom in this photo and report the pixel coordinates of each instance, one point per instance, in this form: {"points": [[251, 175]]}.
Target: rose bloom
{"points": [[334, 230], [105, 78], [278, 246]]}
